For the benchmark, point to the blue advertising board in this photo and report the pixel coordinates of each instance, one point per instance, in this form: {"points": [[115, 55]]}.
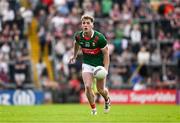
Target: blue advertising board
{"points": [[21, 97]]}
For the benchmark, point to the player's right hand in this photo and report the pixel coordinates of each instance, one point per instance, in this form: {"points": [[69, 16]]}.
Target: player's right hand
{"points": [[72, 60]]}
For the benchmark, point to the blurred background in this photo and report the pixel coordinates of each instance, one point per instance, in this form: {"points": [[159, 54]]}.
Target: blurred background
{"points": [[36, 40]]}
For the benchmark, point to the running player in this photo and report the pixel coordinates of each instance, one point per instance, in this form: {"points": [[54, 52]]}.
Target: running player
{"points": [[95, 53]]}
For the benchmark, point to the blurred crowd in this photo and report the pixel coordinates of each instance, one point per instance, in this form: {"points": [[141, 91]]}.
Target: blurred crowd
{"points": [[14, 48], [143, 38]]}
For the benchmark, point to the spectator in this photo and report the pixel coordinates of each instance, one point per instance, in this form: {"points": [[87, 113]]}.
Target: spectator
{"points": [[88, 8], [156, 57], [20, 71], [106, 7], [115, 14], [176, 48], [5, 51], [40, 67], [8, 15], [143, 56], [46, 83], [126, 14], [42, 39], [4, 79], [135, 34]]}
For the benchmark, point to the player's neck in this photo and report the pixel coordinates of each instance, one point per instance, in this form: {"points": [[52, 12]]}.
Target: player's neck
{"points": [[88, 34]]}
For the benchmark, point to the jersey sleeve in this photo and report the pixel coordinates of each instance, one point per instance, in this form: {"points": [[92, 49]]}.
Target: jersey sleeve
{"points": [[102, 41], [76, 37]]}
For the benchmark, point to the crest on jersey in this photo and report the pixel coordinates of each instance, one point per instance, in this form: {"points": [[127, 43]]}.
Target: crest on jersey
{"points": [[81, 43], [87, 44]]}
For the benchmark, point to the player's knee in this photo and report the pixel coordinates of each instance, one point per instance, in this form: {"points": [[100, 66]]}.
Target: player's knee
{"points": [[88, 88]]}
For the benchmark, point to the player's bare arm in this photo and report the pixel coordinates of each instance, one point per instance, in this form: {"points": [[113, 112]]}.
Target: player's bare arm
{"points": [[105, 52], [76, 49]]}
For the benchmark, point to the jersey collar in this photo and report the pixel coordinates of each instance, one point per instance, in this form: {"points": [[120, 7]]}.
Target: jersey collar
{"points": [[87, 38]]}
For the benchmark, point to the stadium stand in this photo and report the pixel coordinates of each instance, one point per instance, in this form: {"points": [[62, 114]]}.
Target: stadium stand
{"points": [[36, 37]]}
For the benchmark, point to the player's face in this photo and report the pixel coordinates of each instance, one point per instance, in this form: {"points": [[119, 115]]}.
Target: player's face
{"points": [[87, 25]]}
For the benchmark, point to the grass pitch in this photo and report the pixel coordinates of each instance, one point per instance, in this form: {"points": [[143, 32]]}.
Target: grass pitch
{"points": [[76, 113]]}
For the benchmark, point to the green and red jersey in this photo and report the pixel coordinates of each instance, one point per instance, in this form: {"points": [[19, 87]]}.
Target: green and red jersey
{"points": [[91, 47]]}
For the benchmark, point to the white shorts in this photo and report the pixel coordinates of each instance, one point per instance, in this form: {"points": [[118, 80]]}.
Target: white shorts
{"points": [[87, 68]]}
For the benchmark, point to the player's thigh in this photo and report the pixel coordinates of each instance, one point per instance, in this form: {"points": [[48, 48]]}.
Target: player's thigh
{"points": [[87, 78], [87, 74]]}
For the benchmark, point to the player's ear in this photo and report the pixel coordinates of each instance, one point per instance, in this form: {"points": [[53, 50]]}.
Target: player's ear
{"points": [[92, 24], [81, 25]]}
